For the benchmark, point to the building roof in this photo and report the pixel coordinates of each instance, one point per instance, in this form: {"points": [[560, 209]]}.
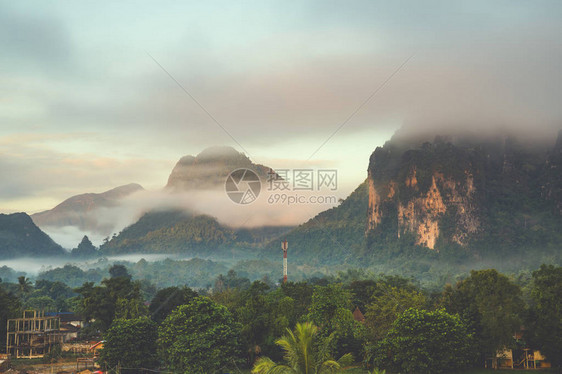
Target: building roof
{"points": [[97, 344], [69, 317], [67, 327]]}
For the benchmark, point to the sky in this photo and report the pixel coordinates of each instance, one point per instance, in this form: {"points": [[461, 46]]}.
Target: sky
{"points": [[90, 94]]}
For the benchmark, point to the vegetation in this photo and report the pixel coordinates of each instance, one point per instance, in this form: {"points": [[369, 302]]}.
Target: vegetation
{"points": [[85, 249], [386, 305], [304, 353], [426, 342], [492, 306], [9, 308], [200, 337], [544, 320], [236, 324], [20, 237], [168, 299], [170, 232], [130, 344], [116, 297], [340, 229]]}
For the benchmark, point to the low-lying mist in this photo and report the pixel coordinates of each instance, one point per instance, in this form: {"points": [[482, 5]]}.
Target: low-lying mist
{"points": [[271, 208], [33, 266]]}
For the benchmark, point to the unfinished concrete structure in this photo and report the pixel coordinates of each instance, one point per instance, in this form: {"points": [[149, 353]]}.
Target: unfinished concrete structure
{"points": [[33, 335]]}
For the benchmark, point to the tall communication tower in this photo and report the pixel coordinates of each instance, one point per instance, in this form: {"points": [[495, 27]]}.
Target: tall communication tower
{"points": [[284, 246]]}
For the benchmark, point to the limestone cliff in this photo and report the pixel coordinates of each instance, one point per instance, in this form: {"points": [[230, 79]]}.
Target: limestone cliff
{"points": [[422, 213], [457, 191]]}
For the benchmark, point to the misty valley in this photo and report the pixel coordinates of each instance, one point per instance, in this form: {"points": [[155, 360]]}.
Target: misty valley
{"points": [[438, 223], [280, 187], [432, 208]]}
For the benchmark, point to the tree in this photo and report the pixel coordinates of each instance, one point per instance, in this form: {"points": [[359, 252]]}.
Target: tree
{"points": [[131, 344], [24, 285], [301, 293], [305, 353], [362, 292], [426, 342], [117, 297], [9, 308], [52, 296], [231, 281], [326, 301], [43, 303], [491, 305], [168, 299], [387, 306], [264, 318], [330, 310], [119, 271], [545, 317], [200, 337]]}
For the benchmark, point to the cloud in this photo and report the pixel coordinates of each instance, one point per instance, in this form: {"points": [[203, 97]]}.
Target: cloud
{"points": [[263, 211], [30, 168], [32, 41], [281, 78]]}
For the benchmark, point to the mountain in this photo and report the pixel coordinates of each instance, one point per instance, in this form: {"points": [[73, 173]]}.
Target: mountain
{"points": [[20, 237], [175, 231], [85, 249], [486, 197], [552, 171], [437, 206], [80, 210], [210, 168], [169, 232]]}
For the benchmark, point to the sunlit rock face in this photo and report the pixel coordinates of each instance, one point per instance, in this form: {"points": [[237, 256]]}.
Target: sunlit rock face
{"points": [[457, 190], [421, 213]]}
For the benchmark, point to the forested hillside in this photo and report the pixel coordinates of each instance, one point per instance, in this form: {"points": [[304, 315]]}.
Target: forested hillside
{"points": [[20, 237], [333, 236], [170, 232]]}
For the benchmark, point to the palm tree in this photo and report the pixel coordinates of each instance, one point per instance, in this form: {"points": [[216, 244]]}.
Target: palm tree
{"points": [[304, 354], [24, 285]]}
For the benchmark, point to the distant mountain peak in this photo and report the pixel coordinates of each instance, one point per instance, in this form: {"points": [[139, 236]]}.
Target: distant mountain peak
{"points": [[20, 237], [77, 210], [209, 169], [216, 152], [123, 191]]}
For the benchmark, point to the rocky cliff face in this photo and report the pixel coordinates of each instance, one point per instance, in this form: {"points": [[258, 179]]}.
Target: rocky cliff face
{"points": [[420, 215], [458, 191]]}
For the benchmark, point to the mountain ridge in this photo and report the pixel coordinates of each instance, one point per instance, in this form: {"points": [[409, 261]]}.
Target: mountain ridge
{"points": [[210, 168], [20, 237], [78, 210]]}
